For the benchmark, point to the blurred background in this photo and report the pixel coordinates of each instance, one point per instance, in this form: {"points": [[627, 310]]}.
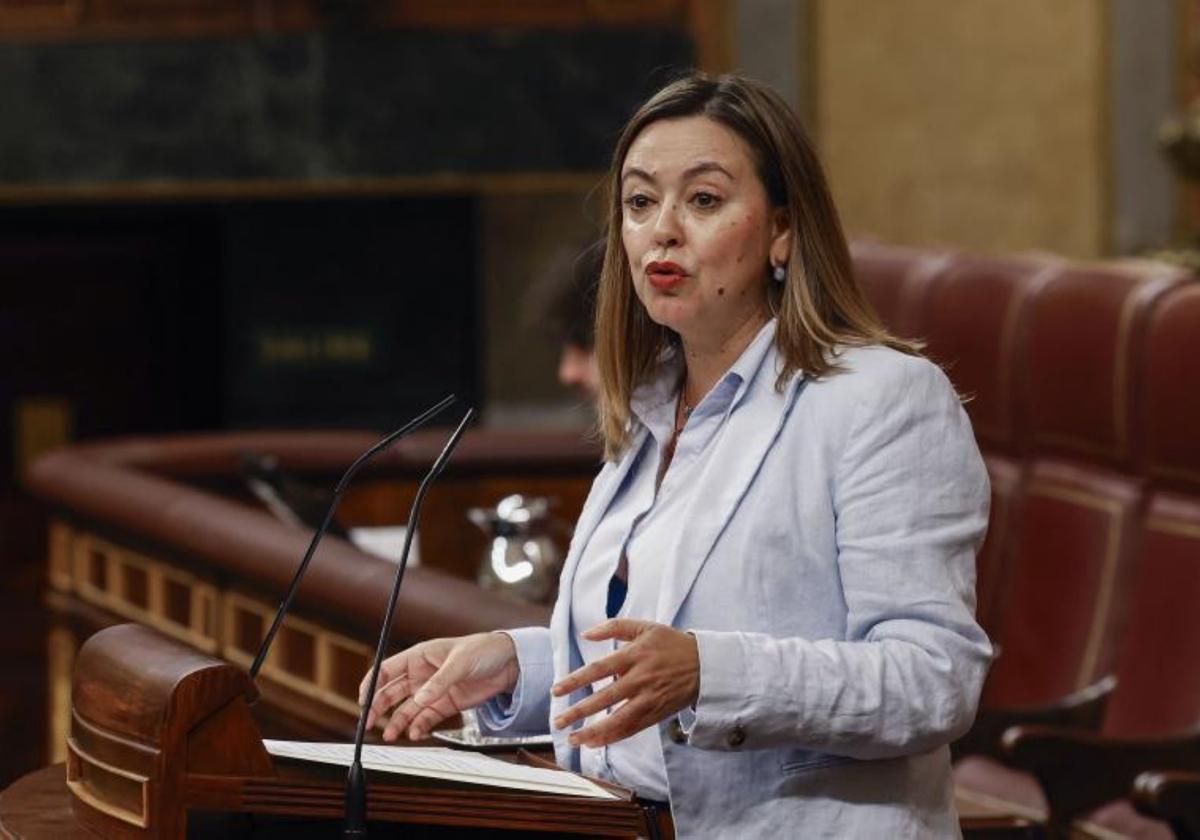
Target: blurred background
{"points": [[221, 215]]}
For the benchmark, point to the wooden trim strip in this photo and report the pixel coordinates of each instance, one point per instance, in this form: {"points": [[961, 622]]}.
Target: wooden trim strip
{"points": [[324, 641], [77, 758], [295, 188], [1174, 527], [1003, 807]]}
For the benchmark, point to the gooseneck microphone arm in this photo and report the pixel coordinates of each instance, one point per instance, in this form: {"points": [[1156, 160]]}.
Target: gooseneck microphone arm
{"points": [[340, 489], [356, 782]]}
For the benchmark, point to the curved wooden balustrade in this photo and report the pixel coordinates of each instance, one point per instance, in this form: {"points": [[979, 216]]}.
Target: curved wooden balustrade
{"points": [[138, 532]]}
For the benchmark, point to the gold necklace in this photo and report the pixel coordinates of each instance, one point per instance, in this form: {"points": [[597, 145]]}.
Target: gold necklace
{"points": [[682, 411]]}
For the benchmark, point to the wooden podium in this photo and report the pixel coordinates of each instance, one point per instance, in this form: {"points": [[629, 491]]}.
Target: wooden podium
{"points": [[162, 734]]}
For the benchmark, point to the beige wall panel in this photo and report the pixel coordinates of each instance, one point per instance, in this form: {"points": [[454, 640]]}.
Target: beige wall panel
{"points": [[978, 123]]}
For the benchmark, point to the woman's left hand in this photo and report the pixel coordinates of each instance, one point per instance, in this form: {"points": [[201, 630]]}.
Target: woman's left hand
{"points": [[656, 674]]}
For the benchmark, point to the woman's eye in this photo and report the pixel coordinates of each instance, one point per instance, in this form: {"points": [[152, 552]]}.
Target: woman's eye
{"points": [[637, 202], [705, 199]]}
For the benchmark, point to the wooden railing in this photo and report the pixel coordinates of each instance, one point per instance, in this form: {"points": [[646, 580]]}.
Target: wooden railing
{"points": [[159, 531]]}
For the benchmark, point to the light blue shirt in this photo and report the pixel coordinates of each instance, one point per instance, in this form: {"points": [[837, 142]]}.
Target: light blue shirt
{"points": [[644, 522]]}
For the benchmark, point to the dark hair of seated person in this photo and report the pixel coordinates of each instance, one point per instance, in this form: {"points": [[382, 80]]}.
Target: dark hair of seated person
{"points": [[564, 299]]}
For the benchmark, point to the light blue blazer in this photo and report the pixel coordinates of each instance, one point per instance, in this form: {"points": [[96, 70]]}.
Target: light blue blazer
{"points": [[827, 570]]}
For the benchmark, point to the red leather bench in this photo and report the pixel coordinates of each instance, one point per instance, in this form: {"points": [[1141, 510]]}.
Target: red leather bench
{"points": [[1083, 384]]}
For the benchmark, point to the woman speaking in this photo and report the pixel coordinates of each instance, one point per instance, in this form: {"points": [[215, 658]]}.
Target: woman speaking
{"points": [[765, 618]]}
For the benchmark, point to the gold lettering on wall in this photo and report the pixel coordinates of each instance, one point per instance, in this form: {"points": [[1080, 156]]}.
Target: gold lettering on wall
{"points": [[315, 348], [39, 425]]}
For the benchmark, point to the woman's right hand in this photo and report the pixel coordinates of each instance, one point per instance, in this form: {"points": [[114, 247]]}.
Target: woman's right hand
{"points": [[431, 681]]}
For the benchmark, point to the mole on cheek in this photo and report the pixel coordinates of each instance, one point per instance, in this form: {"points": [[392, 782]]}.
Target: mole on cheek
{"points": [[720, 290]]}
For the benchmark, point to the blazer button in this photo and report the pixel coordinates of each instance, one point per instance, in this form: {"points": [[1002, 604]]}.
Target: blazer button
{"points": [[736, 736], [675, 731]]}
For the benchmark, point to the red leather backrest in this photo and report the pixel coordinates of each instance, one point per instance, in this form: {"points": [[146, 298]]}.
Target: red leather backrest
{"points": [[1158, 673], [990, 565], [1073, 536], [1085, 331], [1170, 393], [1052, 355], [894, 279], [973, 312]]}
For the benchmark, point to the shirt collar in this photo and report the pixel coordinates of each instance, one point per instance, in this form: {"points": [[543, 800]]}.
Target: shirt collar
{"points": [[653, 402]]}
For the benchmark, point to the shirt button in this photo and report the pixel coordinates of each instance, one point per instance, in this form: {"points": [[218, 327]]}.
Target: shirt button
{"points": [[736, 736], [675, 731]]}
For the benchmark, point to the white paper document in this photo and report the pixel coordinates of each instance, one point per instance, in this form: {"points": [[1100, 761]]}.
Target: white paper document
{"points": [[444, 763]]}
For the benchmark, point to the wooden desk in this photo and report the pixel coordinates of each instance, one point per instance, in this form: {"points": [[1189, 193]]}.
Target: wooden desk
{"points": [[38, 806]]}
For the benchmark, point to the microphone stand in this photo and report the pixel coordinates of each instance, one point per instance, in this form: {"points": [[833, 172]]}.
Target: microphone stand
{"points": [[356, 781], [383, 444]]}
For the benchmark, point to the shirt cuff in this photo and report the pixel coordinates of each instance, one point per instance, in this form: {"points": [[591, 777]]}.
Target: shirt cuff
{"points": [[527, 709], [718, 721]]}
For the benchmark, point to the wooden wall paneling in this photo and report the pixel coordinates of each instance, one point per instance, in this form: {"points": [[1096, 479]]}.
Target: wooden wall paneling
{"points": [[30, 16], [175, 18], [712, 25], [532, 13]]}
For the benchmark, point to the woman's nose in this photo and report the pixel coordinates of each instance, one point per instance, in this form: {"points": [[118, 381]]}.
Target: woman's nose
{"points": [[667, 231]]}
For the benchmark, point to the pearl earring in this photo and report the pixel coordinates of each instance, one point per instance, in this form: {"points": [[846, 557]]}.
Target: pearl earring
{"points": [[779, 273]]}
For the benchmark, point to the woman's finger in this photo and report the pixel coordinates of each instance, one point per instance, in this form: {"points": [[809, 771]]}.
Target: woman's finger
{"points": [[610, 696], [415, 720], [401, 717], [414, 711], [387, 673], [408, 711], [427, 719], [454, 670], [621, 629], [608, 666], [629, 719], [394, 692]]}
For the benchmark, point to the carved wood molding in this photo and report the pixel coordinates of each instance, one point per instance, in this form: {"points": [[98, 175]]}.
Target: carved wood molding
{"points": [[117, 19]]}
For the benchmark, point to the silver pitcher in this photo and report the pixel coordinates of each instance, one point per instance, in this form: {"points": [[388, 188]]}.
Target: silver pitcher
{"points": [[523, 557]]}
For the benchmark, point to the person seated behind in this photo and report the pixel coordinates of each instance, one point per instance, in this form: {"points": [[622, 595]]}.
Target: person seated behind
{"points": [[766, 618], [563, 303]]}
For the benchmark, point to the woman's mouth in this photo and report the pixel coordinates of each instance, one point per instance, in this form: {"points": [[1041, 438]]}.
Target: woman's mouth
{"points": [[665, 276]]}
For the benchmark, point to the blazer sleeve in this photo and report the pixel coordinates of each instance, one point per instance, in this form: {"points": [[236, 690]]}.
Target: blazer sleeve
{"points": [[910, 495], [527, 710]]}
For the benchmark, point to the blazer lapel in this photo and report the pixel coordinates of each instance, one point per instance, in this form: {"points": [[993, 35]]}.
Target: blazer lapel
{"points": [[566, 653], [597, 503], [726, 474]]}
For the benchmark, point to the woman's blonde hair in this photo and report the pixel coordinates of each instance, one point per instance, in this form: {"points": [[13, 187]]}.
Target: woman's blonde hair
{"points": [[818, 307]]}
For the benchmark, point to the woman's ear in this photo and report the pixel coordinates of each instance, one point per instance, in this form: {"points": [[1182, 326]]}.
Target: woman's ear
{"points": [[781, 237]]}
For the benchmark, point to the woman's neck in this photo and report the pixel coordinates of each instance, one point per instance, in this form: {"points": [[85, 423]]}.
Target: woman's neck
{"points": [[708, 357]]}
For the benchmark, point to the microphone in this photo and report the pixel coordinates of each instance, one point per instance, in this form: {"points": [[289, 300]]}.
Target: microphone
{"points": [[356, 781], [383, 444]]}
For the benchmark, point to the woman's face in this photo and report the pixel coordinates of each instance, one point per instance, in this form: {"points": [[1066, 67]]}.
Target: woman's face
{"points": [[698, 229]]}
